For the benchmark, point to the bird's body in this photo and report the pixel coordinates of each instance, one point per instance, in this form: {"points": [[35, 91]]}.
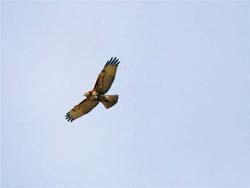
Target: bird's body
{"points": [[97, 94], [107, 100]]}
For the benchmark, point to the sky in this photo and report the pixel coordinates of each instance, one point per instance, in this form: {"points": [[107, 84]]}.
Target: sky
{"points": [[182, 116]]}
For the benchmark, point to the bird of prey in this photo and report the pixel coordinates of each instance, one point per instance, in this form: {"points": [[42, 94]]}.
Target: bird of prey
{"points": [[96, 95]]}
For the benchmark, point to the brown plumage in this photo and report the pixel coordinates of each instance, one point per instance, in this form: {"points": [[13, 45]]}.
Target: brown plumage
{"points": [[107, 76], [93, 97]]}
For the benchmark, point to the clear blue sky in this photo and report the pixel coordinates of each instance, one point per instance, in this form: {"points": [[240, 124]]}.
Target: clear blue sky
{"points": [[182, 116]]}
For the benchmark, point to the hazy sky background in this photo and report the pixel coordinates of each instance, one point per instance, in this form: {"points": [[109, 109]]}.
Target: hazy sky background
{"points": [[182, 116]]}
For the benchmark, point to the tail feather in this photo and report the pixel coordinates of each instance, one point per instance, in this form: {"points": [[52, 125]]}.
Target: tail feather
{"points": [[109, 100]]}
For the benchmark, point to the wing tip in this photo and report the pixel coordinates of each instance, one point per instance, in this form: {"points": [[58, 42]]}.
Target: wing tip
{"points": [[113, 61], [68, 117]]}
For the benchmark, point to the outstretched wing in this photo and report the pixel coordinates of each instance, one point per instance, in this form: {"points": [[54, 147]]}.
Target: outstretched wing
{"points": [[107, 76], [82, 108]]}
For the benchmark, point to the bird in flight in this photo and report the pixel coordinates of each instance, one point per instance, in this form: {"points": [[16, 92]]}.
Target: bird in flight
{"points": [[96, 95]]}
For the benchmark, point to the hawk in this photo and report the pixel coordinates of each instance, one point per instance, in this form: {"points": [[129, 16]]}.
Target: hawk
{"points": [[96, 95]]}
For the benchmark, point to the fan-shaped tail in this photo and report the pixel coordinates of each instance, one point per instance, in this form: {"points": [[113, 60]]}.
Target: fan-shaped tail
{"points": [[109, 100]]}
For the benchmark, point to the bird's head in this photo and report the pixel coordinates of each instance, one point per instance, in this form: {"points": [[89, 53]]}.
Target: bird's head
{"points": [[88, 94]]}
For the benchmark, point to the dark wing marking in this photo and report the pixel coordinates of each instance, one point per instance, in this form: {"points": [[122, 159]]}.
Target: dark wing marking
{"points": [[107, 76], [82, 108]]}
